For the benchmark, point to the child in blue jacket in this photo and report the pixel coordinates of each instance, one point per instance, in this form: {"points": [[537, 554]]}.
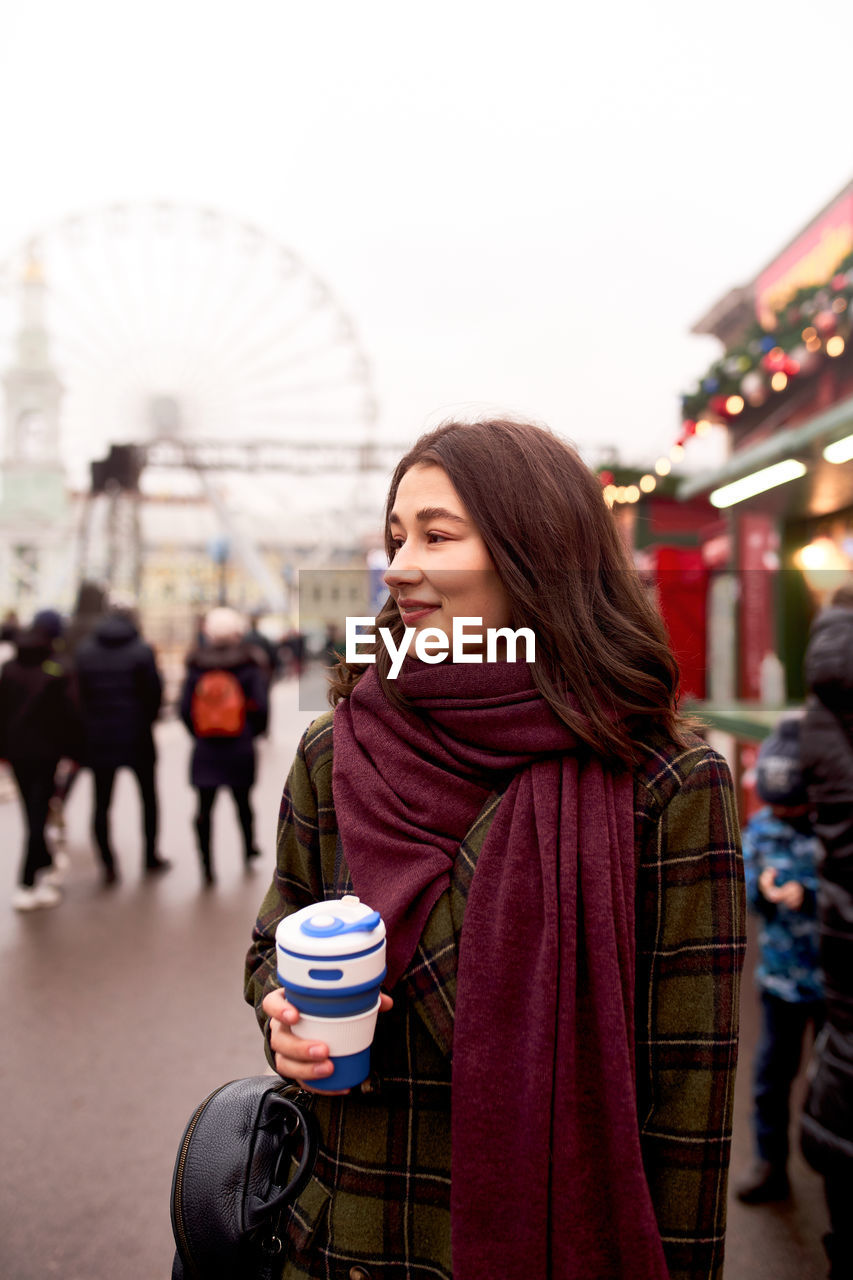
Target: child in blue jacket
{"points": [[780, 854]]}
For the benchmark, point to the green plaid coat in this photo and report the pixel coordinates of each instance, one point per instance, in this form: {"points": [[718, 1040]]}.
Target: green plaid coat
{"points": [[378, 1205]]}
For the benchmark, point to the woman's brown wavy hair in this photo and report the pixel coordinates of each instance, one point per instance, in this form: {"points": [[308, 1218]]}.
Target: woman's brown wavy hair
{"points": [[558, 553]]}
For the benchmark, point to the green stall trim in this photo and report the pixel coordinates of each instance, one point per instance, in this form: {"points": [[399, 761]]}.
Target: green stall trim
{"points": [[745, 720]]}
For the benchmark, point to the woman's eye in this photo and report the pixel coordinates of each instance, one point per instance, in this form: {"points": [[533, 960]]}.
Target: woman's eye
{"points": [[430, 538]]}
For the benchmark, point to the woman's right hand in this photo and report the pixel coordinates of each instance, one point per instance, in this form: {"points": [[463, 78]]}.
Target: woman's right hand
{"points": [[296, 1059]]}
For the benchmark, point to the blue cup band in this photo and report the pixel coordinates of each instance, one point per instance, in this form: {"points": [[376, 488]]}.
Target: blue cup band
{"points": [[327, 1004], [354, 990], [349, 1070]]}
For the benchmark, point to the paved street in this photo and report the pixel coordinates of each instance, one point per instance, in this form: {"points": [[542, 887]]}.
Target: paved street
{"points": [[121, 1009]]}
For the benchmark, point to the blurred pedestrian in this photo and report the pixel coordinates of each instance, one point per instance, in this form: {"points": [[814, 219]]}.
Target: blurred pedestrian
{"points": [[9, 629], [334, 647], [284, 656], [300, 654], [120, 691], [827, 1135], [89, 608], [552, 1074], [51, 623], [224, 704], [780, 856], [292, 652], [265, 649], [39, 724]]}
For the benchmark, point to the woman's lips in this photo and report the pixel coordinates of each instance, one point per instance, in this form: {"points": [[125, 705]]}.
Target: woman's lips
{"points": [[412, 611]]}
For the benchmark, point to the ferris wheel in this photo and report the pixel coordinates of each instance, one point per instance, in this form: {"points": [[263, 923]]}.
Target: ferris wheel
{"points": [[183, 323]]}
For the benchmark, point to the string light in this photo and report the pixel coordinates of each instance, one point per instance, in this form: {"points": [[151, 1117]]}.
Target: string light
{"points": [[821, 562], [632, 493], [648, 483], [703, 426], [757, 482], [835, 345], [663, 466], [779, 381], [840, 450], [815, 555], [734, 405], [676, 453]]}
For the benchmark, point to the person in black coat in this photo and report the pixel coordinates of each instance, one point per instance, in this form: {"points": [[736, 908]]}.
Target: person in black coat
{"points": [[827, 755], [90, 606], [267, 652], [120, 692], [39, 724], [224, 704]]}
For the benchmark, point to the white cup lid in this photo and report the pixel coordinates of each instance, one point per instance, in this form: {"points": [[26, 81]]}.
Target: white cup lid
{"points": [[344, 926]]}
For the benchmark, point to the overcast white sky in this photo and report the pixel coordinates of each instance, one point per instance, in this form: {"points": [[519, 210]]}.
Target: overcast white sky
{"points": [[520, 205]]}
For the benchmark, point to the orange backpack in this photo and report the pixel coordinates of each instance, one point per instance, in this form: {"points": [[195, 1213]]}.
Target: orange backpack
{"points": [[218, 707]]}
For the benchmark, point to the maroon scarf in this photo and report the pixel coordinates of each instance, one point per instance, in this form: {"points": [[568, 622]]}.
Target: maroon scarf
{"points": [[547, 1172]]}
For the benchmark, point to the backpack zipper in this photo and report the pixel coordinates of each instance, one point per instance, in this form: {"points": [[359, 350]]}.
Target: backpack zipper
{"points": [[179, 1178]]}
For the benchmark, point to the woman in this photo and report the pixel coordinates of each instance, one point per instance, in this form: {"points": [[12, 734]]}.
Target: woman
{"points": [[224, 705], [557, 862]]}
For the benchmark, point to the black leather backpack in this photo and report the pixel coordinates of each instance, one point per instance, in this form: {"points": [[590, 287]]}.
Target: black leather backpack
{"points": [[245, 1155]]}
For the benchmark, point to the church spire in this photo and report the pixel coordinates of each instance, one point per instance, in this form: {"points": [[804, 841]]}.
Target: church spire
{"points": [[32, 341], [32, 387]]}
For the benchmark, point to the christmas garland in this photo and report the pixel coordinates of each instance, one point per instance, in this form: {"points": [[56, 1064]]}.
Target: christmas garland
{"points": [[625, 484], [813, 325]]}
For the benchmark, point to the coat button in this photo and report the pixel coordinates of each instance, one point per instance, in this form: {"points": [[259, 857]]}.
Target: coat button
{"points": [[358, 1273]]}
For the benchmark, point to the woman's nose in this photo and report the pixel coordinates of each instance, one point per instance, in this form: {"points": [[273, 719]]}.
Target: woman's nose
{"points": [[402, 569]]}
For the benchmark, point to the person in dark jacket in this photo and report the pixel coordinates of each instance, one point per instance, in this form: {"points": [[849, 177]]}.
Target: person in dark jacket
{"points": [[89, 608], [39, 724], [827, 753], [50, 621], [120, 692], [224, 704], [267, 652]]}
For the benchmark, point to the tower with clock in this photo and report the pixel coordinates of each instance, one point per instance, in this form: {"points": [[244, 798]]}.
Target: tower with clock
{"points": [[34, 505]]}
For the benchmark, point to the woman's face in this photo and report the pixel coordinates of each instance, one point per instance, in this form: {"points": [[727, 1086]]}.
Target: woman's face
{"points": [[441, 569]]}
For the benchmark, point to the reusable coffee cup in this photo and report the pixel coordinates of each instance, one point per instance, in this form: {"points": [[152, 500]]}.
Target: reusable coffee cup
{"points": [[331, 963]]}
